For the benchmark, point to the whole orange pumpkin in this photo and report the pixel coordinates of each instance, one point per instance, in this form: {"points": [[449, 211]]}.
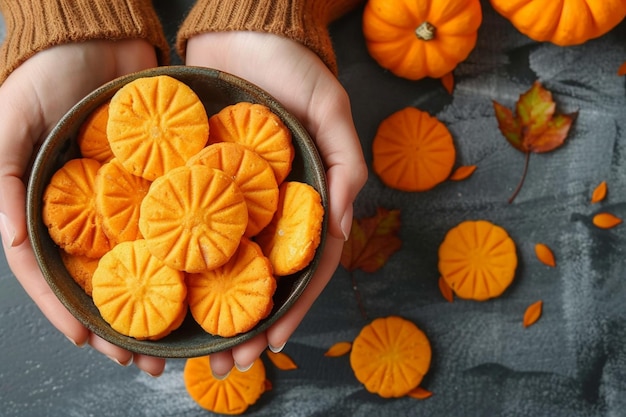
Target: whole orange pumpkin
{"points": [[426, 38], [562, 22]]}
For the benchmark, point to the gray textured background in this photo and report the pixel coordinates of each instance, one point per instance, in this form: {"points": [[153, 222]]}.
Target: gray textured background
{"points": [[571, 363]]}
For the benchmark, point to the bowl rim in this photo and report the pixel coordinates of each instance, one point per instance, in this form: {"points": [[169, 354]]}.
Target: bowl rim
{"points": [[38, 231]]}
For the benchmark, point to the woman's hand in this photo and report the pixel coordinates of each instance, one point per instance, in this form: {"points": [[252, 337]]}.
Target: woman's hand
{"points": [[32, 99], [309, 90]]}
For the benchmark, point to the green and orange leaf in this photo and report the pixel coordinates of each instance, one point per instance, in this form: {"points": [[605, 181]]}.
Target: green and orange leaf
{"points": [[535, 127]]}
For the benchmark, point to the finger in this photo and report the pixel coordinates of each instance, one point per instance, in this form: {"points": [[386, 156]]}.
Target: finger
{"points": [[245, 354], [279, 333], [115, 353], [222, 363], [149, 364], [17, 140]]}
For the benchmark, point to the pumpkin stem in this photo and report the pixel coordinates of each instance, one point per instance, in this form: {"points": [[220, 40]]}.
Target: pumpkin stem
{"points": [[426, 31]]}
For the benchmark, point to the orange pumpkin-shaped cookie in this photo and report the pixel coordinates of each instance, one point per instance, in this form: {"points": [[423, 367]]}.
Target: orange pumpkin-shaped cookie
{"points": [[252, 174], [390, 356], [193, 218], [417, 39], [477, 259], [259, 129], [293, 235], [69, 209], [137, 294], [413, 151], [118, 198], [231, 395], [155, 124], [81, 268], [92, 137], [564, 22], [233, 298]]}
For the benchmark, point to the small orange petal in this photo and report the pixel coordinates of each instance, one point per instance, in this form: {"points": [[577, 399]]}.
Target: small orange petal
{"points": [[446, 290], [606, 220], [532, 314], [448, 82], [338, 349], [462, 172], [622, 69], [281, 360], [268, 385], [599, 193], [544, 254], [420, 393]]}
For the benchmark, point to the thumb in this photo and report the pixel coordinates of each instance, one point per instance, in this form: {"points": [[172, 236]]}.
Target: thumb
{"points": [[18, 138]]}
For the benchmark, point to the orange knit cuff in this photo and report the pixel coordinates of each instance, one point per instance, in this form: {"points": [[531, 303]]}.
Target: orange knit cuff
{"points": [[32, 26], [301, 20]]}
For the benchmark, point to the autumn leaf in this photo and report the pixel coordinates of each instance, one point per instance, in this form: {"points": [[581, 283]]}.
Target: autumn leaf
{"points": [[446, 290], [281, 360], [599, 193], [535, 127], [462, 172], [420, 393], [372, 241], [532, 313], [338, 349], [545, 254], [606, 220], [448, 82]]}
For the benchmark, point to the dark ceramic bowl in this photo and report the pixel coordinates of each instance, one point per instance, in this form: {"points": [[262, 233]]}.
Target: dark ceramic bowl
{"points": [[216, 90]]}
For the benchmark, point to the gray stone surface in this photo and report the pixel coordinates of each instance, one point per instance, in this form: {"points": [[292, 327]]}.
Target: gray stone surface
{"points": [[571, 363]]}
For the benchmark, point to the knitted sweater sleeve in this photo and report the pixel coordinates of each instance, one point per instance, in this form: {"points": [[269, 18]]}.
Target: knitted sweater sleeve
{"points": [[35, 25], [305, 21]]}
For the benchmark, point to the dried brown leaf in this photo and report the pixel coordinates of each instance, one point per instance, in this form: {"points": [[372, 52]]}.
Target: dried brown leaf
{"points": [[372, 241]]}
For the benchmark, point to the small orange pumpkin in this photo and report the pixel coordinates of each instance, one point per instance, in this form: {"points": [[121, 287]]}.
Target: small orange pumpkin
{"points": [[563, 22], [418, 39]]}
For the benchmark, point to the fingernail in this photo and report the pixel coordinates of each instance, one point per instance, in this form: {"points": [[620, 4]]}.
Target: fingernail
{"points": [[243, 368], [346, 223], [80, 345], [7, 231], [154, 375], [124, 364], [220, 377], [277, 349]]}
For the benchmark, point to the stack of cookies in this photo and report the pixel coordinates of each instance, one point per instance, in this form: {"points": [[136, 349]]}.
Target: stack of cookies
{"points": [[170, 211]]}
